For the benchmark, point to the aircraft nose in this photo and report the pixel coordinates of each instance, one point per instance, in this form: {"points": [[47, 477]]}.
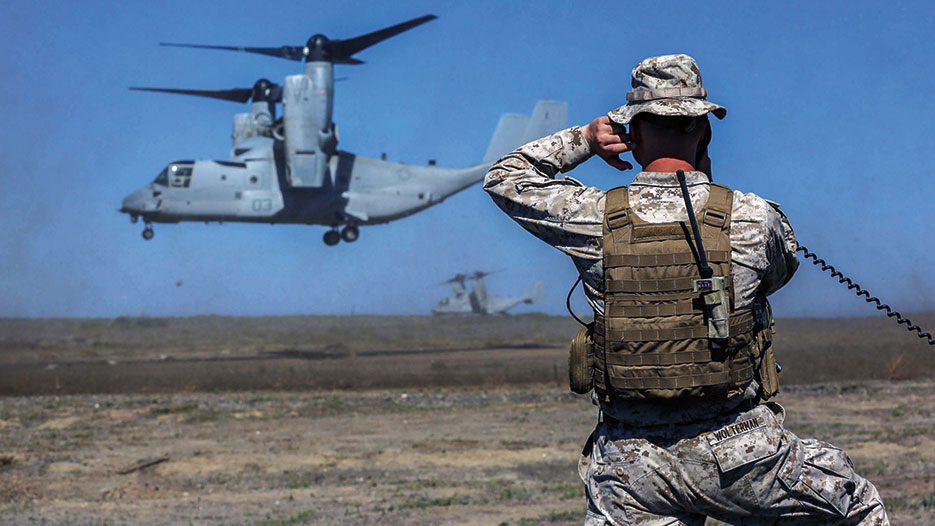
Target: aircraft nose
{"points": [[138, 202]]}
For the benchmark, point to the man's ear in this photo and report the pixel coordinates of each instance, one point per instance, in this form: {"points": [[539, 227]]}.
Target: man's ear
{"points": [[702, 160], [705, 139], [636, 134]]}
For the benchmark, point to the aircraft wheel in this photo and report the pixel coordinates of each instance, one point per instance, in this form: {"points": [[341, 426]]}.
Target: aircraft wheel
{"points": [[332, 238], [134, 219], [148, 233], [350, 233]]}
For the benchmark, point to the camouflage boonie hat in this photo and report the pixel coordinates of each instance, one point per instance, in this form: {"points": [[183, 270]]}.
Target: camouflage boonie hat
{"points": [[666, 85]]}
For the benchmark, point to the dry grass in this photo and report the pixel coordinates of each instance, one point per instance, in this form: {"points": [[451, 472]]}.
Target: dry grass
{"points": [[211, 353], [423, 457]]}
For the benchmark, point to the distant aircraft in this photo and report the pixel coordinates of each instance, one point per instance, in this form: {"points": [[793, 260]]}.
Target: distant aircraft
{"points": [[289, 170], [477, 301]]}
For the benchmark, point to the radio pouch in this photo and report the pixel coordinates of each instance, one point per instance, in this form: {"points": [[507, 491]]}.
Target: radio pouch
{"points": [[580, 368]]}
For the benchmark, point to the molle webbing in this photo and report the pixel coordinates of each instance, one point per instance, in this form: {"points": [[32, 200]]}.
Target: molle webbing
{"points": [[649, 285], [738, 325], [735, 376], [652, 341], [663, 260]]}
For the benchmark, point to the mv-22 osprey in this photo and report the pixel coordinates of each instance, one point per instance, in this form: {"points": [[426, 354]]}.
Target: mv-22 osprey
{"points": [[290, 170], [477, 301]]}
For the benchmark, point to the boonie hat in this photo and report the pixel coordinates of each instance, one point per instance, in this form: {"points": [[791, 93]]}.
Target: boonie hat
{"points": [[666, 85]]}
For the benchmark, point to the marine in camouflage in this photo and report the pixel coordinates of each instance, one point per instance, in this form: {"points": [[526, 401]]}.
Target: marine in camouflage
{"points": [[656, 463]]}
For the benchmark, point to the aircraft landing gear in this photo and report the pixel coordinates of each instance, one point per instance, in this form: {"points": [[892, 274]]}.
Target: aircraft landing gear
{"points": [[332, 237], [350, 233], [148, 231]]}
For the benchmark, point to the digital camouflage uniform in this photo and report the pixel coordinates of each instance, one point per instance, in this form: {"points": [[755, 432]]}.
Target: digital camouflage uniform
{"points": [[649, 462]]}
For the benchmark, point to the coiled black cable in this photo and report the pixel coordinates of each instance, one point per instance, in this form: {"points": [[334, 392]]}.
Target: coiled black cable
{"points": [[867, 297], [568, 302]]}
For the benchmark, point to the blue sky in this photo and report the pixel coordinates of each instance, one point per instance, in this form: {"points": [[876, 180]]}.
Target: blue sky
{"points": [[829, 113]]}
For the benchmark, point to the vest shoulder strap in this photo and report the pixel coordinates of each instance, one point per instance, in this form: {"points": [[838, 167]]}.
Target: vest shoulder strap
{"points": [[718, 208], [616, 208]]}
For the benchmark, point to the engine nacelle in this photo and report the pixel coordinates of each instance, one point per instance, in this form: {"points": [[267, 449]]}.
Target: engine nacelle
{"points": [[260, 122], [264, 113], [245, 126], [309, 134]]}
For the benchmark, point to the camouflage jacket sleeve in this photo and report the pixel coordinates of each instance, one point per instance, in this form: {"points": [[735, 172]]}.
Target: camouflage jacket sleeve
{"points": [[782, 247], [562, 212], [763, 245]]}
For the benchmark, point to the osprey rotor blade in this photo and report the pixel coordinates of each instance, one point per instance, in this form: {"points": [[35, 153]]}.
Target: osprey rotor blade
{"points": [[350, 61], [286, 52], [319, 47], [262, 91], [233, 95], [457, 278], [343, 49]]}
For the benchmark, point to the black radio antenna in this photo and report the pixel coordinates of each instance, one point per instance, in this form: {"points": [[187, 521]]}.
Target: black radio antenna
{"points": [[704, 268]]}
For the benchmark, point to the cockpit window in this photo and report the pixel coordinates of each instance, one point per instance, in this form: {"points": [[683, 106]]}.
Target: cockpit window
{"points": [[180, 175], [177, 175], [162, 178]]}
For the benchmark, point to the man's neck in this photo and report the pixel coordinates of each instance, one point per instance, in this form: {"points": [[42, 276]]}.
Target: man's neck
{"points": [[668, 164]]}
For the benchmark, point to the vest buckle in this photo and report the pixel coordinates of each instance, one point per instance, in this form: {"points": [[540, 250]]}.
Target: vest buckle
{"points": [[714, 218], [618, 219]]}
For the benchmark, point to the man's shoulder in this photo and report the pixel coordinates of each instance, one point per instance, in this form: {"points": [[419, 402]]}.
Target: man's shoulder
{"points": [[749, 206]]}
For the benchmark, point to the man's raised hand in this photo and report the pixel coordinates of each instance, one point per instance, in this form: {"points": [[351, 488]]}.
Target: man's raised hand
{"points": [[608, 140]]}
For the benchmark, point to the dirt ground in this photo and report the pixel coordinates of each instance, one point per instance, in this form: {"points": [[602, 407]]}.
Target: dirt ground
{"points": [[289, 421], [431, 456]]}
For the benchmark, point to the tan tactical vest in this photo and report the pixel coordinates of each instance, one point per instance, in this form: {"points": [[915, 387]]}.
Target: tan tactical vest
{"points": [[653, 340]]}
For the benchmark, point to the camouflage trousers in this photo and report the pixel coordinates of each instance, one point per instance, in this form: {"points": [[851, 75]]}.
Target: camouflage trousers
{"points": [[743, 469]]}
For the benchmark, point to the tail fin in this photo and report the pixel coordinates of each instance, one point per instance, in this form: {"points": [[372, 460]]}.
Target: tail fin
{"points": [[535, 292], [516, 130], [549, 117]]}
